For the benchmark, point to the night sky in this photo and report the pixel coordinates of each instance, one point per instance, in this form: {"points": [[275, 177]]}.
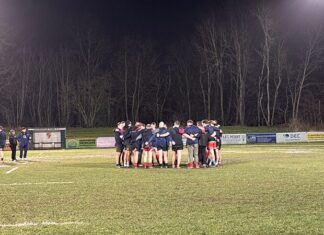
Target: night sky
{"points": [[164, 21]]}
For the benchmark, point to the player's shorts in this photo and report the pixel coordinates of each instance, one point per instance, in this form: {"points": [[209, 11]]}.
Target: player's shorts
{"points": [[212, 145], [119, 149], [176, 148], [219, 145], [147, 148], [163, 148], [133, 147], [138, 149], [128, 147]]}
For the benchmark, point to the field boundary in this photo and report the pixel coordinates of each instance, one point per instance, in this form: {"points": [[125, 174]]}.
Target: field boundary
{"points": [[44, 223], [37, 183], [12, 170]]}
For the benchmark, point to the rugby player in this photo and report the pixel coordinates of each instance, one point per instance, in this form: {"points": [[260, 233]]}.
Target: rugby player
{"points": [[192, 133], [162, 141], [147, 148], [118, 133], [127, 143], [203, 141], [2, 143], [210, 130], [177, 145]]}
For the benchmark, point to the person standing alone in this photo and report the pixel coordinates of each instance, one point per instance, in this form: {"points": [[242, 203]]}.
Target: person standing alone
{"points": [[23, 139], [13, 144], [2, 143]]}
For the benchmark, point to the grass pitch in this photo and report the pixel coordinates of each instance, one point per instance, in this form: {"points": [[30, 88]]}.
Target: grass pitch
{"points": [[260, 189]]}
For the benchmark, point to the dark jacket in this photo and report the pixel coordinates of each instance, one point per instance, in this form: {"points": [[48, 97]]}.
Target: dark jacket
{"points": [[23, 139], [210, 130], [146, 136], [136, 139], [118, 139], [162, 141], [203, 139], [2, 138], [195, 131], [13, 140], [127, 136], [176, 136], [218, 133], [153, 139]]}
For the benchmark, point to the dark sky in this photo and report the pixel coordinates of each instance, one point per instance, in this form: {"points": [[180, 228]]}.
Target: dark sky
{"points": [[164, 21]]}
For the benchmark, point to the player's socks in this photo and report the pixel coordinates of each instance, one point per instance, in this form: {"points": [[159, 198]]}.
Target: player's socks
{"points": [[197, 165]]}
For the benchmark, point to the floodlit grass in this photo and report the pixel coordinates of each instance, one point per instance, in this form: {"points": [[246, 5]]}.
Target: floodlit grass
{"points": [[260, 189], [103, 132]]}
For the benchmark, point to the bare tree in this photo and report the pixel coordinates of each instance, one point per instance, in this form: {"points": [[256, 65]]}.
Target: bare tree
{"points": [[265, 20], [89, 89], [63, 67], [278, 78], [240, 59], [310, 61], [212, 46]]}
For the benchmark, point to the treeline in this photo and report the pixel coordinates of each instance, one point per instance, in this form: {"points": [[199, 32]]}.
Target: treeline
{"points": [[243, 66]]}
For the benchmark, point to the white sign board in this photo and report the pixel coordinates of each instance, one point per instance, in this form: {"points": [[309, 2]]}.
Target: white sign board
{"points": [[48, 139], [105, 142], [291, 137], [234, 139]]}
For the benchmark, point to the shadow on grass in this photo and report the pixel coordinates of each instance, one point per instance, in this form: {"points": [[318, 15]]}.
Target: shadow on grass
{"points": [[113, 166]]}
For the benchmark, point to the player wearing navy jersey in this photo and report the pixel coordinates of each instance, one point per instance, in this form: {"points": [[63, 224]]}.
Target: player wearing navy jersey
{"points": [[177, 144], [147, 148], [136, 142], [219, 142], [192, 133], [162, 142], [23, 138], [127, 143], [217, 138], [118, 134], [155, 154], [203, 141], [2, 143], [211, 147]]}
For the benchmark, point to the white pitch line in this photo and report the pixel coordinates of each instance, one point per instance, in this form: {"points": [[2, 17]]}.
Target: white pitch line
{"points": [[28, 224], [12, 170], [40, 183], [4, 166]]}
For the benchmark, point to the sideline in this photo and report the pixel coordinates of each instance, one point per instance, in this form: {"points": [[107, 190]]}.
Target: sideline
{"points": [[12, 170], [40, 183], [28, 224]]}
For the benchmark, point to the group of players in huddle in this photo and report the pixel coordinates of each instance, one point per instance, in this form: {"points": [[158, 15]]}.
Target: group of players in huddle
{"points": [[148, 145]]}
